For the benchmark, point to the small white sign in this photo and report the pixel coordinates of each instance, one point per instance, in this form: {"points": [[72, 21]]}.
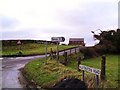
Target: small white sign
{"points": [[90, 69]]}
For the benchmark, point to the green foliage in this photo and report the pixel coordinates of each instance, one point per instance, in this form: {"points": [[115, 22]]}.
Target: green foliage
{"points": [[110, 39]]}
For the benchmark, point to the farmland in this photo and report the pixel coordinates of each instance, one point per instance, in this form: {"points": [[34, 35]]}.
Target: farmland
{"points": [[30, 49]]}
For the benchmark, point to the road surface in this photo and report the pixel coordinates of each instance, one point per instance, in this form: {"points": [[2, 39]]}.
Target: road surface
{"points": [[11, 66], [10, 70]]}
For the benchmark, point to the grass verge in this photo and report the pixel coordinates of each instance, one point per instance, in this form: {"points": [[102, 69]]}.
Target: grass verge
{"points": [[47, 75]]}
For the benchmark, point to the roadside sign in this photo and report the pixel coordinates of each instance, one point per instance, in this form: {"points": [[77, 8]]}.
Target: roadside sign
{"points": [[58, 39], [18, 42], [90, 69]]}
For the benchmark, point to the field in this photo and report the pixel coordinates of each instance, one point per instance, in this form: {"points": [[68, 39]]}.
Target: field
{"points": [[111, 68], [49, 74], [30, 49]]}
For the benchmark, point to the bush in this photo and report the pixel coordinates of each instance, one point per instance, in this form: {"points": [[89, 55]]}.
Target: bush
{"points": [[104, 49], [101, 49], [89, 52]]}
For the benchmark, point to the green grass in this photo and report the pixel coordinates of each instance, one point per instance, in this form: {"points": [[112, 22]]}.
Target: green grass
{"points": [[30, 49], [47, 75], [111, 68]]}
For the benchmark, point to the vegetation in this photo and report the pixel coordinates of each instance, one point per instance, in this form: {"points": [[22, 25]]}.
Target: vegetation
{"points": [[109, 41], [47, 75], [30, 49], [111, 70]]}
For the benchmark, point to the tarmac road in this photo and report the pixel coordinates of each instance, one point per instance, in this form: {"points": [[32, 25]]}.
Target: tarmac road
{"points": [[10, 70], [11, 66]]}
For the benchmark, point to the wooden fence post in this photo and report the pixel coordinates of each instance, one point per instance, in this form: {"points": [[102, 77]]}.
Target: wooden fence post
{"points": [[65, 58], [70, 51], [75, 50], [103, 76], [64, 51], [79, 62], [51, 53]]}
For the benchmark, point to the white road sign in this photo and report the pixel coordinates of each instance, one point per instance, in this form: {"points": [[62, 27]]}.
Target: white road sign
{"points": [[58, 39], [90, 69]]}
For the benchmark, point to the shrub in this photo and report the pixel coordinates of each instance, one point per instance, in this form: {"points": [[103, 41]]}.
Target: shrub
{"points": [[89, 52]]}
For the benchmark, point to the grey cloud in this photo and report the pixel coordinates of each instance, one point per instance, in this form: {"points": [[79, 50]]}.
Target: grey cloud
{"points": [[96, 13], [17, 34], [7, 22]]}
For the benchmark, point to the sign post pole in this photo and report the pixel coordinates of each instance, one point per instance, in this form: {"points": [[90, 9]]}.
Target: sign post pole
{"points": [[46, 52], [97, 81], [57, 52], [91, 70], [57, 40], [83, 78]]}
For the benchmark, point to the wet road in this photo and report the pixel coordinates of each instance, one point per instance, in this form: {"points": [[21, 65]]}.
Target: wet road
{"points": [[10, 68]]}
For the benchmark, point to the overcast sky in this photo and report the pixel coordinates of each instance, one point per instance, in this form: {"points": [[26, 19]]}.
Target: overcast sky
{"points": [[43, 19]]}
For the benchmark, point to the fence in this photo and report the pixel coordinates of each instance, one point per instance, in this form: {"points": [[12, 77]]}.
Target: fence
{"points": [[61, 52], [97, 72]]}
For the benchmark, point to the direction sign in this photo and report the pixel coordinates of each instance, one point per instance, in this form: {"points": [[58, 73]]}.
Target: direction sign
{"points": [[58, 39], [90, 69]]}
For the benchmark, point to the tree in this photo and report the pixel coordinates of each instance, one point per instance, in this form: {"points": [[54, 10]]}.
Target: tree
{"points": [[110, 39]]}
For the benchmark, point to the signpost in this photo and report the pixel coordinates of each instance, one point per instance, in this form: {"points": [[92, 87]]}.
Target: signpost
{"points": [[95, 71], [46, 51], [57, 39], [90, 69]]}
